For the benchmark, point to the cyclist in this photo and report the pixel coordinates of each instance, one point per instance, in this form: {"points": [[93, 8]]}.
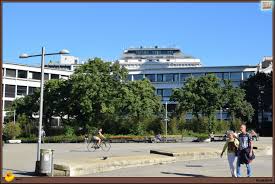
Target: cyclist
{"points": [[98, 137]]}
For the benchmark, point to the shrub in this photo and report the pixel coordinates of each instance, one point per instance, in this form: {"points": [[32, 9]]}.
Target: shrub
{"points": [[173, 126], [69, 131], [12, 130]]}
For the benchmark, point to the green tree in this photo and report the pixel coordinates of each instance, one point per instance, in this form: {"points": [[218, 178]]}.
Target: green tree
{"points": [[234, 101], [258, 89], [12, 130], [200, 96]]}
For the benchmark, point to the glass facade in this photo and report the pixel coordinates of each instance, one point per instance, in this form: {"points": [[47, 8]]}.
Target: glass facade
{"points": [[129, 77], [226, 76], [151, 77], [184, 76], [167, 92], [236, 76], [246, 75], [22, 90], [7, 104], [10, 73], [10, 91], [46, 76], [168, 77], [31, 90], [159, 77], [22, 74], [138, 76], [152, 52], [35, 75], [54, 76], [198, 74]]}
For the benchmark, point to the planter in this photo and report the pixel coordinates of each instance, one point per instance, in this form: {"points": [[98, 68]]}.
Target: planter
{"points": [[14, 141]]}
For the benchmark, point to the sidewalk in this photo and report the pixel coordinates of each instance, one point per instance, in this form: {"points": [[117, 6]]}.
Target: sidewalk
{"points": [[84, 166]]}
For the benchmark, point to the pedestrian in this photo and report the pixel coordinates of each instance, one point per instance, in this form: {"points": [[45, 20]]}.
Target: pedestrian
{"points": [[43, 135], [245, 151], [231, 145]]}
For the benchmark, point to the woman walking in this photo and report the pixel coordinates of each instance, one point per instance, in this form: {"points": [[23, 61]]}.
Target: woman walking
{"points": [[232, 145]]}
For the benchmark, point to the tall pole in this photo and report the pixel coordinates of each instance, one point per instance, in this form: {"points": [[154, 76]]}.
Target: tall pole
{"points": [[166, 121], [41, 103]]}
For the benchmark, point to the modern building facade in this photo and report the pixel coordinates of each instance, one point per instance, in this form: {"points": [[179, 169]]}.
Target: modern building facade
{"points": [[21, 80], [166, 68]]}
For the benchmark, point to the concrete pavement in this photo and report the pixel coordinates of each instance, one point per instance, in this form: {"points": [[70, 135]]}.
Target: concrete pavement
{"points": [[21, 158]]}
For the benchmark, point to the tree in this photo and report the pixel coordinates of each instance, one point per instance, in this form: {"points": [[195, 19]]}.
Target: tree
{"points": [[234, 101], [258, 89], [12, 130], [200, 96]]}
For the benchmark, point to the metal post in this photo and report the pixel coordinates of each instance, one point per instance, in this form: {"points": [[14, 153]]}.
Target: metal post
{"points": [[166, 121], [41, 103]]}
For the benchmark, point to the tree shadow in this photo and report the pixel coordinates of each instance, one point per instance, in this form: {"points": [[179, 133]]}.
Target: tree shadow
{"points": [[184, 174], [20, 172]]}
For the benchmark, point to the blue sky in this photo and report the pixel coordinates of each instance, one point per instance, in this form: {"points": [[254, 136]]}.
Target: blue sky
{"points": [[217, 33]]}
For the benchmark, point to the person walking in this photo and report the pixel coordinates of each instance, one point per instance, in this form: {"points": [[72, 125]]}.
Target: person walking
{"points": [[245, 151], [231, 145]]}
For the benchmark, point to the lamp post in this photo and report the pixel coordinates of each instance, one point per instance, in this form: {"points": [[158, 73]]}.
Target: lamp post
{"points": [[43, 54], [166, 119]]}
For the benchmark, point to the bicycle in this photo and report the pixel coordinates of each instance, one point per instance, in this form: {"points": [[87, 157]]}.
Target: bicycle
{"points": [[104, 145]]}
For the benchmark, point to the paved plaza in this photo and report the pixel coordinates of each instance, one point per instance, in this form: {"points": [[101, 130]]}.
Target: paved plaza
{"points": [[20, 158]]}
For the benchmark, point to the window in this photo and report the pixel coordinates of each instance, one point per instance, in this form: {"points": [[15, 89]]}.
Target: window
{"points": [[236, 76], [35, 75], [10, 73], [54, 76], [198, 74], [138, 76], [31, 90], [159, 77], [176, 77], [22, 74], [64, 77], [22, 90], [236, 83], [226, 76], [247, 75], [46, 76], [151, 77], [167, 92], [7, 104], [129, 78], [168, 77], [219, 75], [184, 76], [159, 92], [10, 91]]}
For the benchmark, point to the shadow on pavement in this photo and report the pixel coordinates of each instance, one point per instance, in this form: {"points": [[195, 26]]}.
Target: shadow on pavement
{"points": [[20, 172], [79, 151], [183, 174]]}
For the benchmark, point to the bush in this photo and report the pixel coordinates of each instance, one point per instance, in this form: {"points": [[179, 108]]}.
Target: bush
{"points": [[156, 126], [27, 126], [221, 126], [235, 124], [69, 131], [199, 125], [173, 126], [12, 130]]}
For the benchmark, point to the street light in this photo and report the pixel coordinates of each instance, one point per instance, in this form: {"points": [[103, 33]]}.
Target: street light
{"points": [[43, 54]]}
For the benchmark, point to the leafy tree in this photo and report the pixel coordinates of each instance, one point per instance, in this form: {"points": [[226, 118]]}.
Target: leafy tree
{"points": [[12, 130], [258, 89], [234, 101], [200, 95]]}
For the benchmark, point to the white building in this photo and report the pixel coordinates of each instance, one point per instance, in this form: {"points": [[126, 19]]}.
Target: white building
{"points": [[20, 80], [166, 68]]}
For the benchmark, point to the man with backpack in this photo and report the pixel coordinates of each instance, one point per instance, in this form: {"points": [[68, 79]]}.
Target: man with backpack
{"points": [[245, 151]]}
